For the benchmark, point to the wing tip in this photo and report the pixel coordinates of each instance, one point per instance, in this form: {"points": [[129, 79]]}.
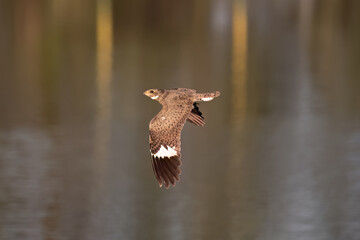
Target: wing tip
{"points": [[195, 116], [167, 170]]}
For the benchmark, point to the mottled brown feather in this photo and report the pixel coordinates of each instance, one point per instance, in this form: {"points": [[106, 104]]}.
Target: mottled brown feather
{"points": [[179, 106]]}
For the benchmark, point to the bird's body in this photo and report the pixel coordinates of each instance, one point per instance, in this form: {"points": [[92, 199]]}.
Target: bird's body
{"points": [[179, 106]]}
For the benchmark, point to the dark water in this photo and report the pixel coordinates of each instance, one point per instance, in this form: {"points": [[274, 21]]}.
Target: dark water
{"points": [[278, 158]]}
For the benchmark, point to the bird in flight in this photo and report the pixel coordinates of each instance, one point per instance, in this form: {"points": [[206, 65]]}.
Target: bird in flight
{"points": [[178, 106]]}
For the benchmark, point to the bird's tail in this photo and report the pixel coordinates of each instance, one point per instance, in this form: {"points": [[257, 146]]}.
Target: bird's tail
{"points": [[206, 96]]}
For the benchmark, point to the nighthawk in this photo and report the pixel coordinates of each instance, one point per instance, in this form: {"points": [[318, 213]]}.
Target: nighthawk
{"points": [[178, 106]]}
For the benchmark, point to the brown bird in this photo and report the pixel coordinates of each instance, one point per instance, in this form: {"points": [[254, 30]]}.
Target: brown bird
{"points": [[179, 106]]}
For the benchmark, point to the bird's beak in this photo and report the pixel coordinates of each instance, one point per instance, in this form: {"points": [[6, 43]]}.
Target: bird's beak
{"points": [[145, 93]]}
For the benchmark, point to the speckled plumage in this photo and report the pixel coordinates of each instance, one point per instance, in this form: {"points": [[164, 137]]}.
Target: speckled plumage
{"points": [[179, 106]]}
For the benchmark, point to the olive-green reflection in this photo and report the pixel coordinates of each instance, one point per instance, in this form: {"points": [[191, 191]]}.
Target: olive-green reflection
{"points": [[277, 158], [104, 65], [103, 115], [238, 168]]}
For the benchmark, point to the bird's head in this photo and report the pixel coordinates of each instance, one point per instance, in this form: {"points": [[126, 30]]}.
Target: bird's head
{"points": [[154, 94]]}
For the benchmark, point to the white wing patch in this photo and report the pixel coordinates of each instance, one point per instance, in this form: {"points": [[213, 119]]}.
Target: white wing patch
{"points": [[155, 97], [163, 152], [207, 99]]}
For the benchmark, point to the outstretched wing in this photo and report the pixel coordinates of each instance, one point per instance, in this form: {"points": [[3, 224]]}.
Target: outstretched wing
{"points": [[165, 146]]}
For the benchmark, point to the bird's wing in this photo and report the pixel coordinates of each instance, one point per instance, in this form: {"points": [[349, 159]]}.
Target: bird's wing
{"points": [[195, 116], [165, 145], [206, 96]]}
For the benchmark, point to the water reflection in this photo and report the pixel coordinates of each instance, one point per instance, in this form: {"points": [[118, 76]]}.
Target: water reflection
{"points": [[104, 64], [277, 159], [103, 83]]}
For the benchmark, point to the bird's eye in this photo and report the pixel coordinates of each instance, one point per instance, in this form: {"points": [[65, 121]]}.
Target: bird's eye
{"points": [[151, 91]]}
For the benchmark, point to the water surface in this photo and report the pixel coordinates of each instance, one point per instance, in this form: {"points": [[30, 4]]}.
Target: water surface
{"points": [[278, 158]]}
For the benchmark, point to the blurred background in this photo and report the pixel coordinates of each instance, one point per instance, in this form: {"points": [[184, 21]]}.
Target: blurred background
{"points": [[278, 158]]}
